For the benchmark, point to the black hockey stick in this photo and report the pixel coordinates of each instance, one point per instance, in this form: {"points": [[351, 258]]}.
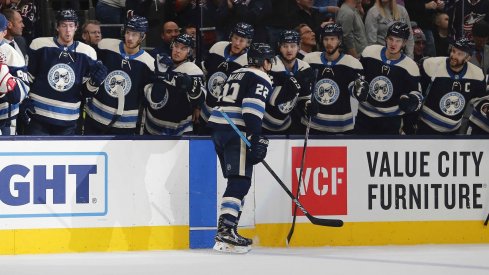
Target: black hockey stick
{"points": [[314, 220], [487, 220]]}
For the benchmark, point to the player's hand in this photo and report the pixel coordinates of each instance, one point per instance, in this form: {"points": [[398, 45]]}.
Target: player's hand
{"points": [[163, 63], [360, 89], [410, 103], [98, 73], [7, 81], [258, 149], [310, 108]]}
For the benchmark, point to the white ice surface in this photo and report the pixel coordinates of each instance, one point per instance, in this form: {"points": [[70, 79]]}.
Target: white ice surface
{"points": [[380, 260]]}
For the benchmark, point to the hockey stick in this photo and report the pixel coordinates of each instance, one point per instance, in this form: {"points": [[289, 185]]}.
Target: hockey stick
{"points": [[487, 220], [314, 220]]}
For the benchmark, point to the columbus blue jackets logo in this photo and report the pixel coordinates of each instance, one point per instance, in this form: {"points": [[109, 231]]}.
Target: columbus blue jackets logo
{"points": [[380, 89], [452, 103], [326, 91], [117, 82], [287, 107], [216, 82], [61, 77]]}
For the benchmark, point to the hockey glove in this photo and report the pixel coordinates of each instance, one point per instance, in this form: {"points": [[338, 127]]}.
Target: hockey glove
{"points": [[195, 92], [310, 108], [258, 149], [7, 81], [485, 110], [98, 73], [410, 103], [184, 82], [359, 89], [163, 63], [26, 110]]}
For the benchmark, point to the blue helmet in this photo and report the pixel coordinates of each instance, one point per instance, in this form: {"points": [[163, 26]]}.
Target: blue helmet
{"points": [[399, 29], [332, 29], [185, 39], [258, 53], [137, 23], [289, 36], [464, 44], [67, 15], [244, 30]]}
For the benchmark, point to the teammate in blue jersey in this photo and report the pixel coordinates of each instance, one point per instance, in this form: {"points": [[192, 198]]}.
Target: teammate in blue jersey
{"points": [[176, 92], [479, 119], [339, 76], [60, 69], [13, 82], [394, 88], [224, 57], [292, 80], [117, 107], [243, 100], [450, 83]]}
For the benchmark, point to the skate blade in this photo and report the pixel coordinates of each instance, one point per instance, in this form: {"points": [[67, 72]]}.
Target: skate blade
{"points": [[229, 248]]}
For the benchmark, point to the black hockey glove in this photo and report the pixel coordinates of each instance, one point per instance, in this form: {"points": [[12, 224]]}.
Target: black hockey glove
{"points": [[292, 87], [26, 110], [311, 108], [184, 82], [98, 73], [410, 103], [258, 149], [163, 62], [194, 94], [359, 89]]}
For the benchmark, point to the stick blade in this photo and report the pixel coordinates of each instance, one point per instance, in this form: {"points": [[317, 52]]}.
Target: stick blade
{"points": [[325, 222]]}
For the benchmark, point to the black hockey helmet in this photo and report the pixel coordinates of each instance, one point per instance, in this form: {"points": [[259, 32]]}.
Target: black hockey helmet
{"points": [[464, 44], [184, 39], [332, 29], [67, 15], [399, 29], [258, 53], [244, 30], [137, 23], [289, 36]]}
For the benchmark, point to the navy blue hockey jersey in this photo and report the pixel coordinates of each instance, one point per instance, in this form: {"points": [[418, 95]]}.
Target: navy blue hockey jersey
{"points": [[389, 79], [124, 85], [450, 92], [57, 74], [218, 65], [10, 57], [332, 93], [243, 99], [169, 110]]}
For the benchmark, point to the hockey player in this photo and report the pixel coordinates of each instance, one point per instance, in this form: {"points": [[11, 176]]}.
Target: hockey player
{"points": [[59, 67], [292, 80], [394, 87], [450, 83], [176, 92], [116, 108], [224, 57], [243, 100], [13, 82], [339, 76]]}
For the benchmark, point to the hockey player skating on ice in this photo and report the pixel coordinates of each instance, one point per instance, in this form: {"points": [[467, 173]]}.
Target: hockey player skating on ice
{"points": [[340, 76], [58, 69], [176, 92], [394, 87], [13, 82], [225, 57], [115, 109], [450, 83], [243, 100], [292, 79]]}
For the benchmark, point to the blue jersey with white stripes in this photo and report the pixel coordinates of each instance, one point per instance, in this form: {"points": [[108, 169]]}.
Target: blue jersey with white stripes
{"points": [[57, 74], [389, 79], [218, 65], [124, 85], [450, 92], [169, 110], [9, 103], [277, 114], [243, 99], [331, 91]]}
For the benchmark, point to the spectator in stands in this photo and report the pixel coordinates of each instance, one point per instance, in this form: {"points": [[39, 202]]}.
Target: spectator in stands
{"points": [[440, 34], [327, 8], [305, 14], [279, 19], [480, 36], [14, 32], [191, 30], [419, 44], [354, 37], [91, 33], [422, 12], [29, 12], [308, 40], [380, 17], [169, 31]]}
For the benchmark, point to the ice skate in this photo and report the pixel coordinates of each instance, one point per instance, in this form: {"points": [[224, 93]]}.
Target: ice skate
{"points": [[228, 240]]}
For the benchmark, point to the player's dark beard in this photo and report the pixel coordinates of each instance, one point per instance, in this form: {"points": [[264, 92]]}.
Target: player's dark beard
{"points": [[333, 51]]}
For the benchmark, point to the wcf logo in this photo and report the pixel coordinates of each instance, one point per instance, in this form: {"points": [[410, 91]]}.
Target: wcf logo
{"points": [[53, 184], [324, 179]]}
